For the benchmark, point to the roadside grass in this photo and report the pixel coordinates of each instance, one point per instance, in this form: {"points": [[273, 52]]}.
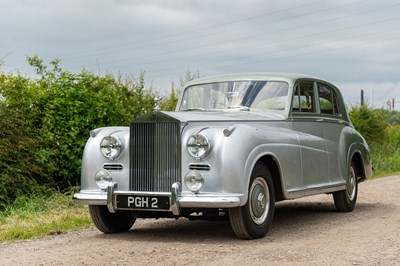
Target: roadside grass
{"points": [[40, 215], [386, 160], [386, 155]]}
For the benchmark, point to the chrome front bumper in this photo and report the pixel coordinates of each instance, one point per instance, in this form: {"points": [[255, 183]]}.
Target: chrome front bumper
{"points": [[177, 201]]}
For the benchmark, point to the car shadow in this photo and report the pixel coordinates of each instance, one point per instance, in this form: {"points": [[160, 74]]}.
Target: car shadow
{"points": [[290, 218]]}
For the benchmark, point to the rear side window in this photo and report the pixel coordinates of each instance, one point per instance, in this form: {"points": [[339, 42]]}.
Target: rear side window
{"points": [[303, 98], [328, 100]]}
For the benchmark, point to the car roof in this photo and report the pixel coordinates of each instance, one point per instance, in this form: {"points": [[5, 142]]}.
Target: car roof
{"points": [[288, 77]]}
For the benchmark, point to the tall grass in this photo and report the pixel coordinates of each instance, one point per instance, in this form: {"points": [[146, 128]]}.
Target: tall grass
{"points": [[42, 214], [386, 155]]}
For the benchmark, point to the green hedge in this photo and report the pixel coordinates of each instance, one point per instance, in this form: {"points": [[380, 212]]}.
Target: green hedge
{"points": [[382, 131], [45, 122]]}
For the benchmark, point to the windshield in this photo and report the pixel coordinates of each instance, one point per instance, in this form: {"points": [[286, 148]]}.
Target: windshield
{"points": [[236, 94]]}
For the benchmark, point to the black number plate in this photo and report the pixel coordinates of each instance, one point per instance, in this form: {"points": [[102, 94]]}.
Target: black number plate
{"points": [[142, 202]]}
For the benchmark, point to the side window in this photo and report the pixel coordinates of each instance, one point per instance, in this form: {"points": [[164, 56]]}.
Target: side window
{"points": [[327, 100], [303, 98]]}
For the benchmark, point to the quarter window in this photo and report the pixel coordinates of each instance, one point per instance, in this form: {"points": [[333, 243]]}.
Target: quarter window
{"points": [[327, 100]]}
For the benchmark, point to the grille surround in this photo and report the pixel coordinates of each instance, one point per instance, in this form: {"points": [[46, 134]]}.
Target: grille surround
{"points": [[155, 153]]}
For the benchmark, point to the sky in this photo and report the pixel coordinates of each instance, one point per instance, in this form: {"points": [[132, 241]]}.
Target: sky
{"points": [[353, 44]]}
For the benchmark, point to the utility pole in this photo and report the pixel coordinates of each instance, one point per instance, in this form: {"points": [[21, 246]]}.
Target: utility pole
{"points": [[390, 104], [362, 98], [372, 98]]}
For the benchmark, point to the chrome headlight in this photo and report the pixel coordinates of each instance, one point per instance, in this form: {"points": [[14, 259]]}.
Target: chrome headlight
{"points": [[111, 147], [198, 146]]}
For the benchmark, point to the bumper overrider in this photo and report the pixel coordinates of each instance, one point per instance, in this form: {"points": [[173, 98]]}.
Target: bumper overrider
{"points": [[156, 201]]}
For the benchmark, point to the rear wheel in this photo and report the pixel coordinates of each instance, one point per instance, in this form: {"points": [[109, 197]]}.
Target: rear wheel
{"points": [[108, 222], [254, 219], [345, 200]]}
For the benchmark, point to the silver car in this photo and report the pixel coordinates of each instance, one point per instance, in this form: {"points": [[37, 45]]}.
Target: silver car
{"points": [[235, 145]]}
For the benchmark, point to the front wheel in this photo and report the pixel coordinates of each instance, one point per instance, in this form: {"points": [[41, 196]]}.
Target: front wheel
{"points": [[108, 222], [254, 219], [345, 200]]}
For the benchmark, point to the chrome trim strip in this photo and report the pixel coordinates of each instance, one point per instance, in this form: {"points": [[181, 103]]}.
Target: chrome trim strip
{"points": [[90, 199], [209, 202], [319, 190]]}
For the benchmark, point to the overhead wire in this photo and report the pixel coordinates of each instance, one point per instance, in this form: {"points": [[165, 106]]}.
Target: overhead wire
{"points": [[273, 41], [200, 29], [145, 58], [220, 48], [225, 65], [213, 30]]}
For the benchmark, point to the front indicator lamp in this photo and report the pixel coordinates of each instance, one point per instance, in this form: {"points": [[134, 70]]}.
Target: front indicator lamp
{"points": [[103, 179], [194, 181]]}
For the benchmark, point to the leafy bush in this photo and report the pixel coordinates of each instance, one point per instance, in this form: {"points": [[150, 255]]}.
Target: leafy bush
{"points": [[20, 171], [386, 156], [381, 129], [393, 117], [45, 122], [393, 136], [371, 123]]}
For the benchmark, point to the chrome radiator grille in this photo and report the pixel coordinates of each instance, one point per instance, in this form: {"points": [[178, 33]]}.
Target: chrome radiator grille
{"points": [[155, 152]]}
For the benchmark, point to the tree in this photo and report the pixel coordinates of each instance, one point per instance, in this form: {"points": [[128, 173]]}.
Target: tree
{"points": [[189, 76], [369, 122], [170, 103]]}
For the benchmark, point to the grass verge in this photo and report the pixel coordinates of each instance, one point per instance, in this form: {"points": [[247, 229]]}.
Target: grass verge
{"points": [[40, 215], [386, 159]]}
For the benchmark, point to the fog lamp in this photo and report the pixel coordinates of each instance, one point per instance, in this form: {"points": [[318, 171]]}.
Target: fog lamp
{"points": [[194, 181], [103, 178]]}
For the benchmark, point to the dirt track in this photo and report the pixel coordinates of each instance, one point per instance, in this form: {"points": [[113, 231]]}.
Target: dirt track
{"points": [[305, 232]]}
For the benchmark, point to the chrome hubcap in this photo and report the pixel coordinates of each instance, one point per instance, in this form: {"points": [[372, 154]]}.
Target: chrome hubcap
{"points": [[351, 186], [259, 200]]}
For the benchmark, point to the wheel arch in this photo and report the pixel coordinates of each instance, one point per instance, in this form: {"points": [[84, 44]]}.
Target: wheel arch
{"points": [[272, 164], [358, 162]]}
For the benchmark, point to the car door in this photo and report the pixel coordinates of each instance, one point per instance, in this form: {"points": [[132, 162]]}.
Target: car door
{"points": [[333, 125], [307, 122]]}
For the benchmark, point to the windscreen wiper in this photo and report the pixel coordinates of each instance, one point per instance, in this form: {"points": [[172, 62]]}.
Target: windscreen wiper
{"points": [[240, 108], [193, 109]]}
